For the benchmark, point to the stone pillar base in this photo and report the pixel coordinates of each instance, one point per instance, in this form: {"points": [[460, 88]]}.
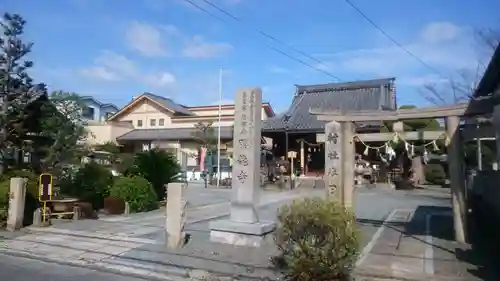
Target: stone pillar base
{"points": [[239, 233]]}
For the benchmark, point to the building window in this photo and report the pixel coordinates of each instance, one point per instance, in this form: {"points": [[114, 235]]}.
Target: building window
{"points": [[139, 123], [161, 122], [152, 122], [88, 112]]}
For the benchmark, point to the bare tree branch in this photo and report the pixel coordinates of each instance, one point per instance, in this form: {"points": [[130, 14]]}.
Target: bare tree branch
{"points": [[460, 89], [489, 38]]}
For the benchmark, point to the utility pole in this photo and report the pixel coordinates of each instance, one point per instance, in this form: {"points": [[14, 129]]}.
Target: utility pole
{"points": [[218, 134]]}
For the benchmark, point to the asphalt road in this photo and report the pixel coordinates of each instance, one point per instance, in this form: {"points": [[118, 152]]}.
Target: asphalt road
{"points": [[22, 269]]}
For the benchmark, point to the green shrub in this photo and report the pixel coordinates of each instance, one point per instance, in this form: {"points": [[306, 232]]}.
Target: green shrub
{"points": [[90, 184], [4, 193], [435, 174], [158, 167], [135, 190], [317, 240], [4, 201]]}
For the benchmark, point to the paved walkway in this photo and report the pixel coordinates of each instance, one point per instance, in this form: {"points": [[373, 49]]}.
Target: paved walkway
{"points": [[418, 245]]}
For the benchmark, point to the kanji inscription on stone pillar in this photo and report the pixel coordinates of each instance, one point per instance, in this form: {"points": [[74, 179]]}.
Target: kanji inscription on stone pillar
{"points": [[247, 155], [333, 159]]}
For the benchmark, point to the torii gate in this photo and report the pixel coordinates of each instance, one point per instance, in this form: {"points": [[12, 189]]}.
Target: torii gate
{"points": [[339, 148]]}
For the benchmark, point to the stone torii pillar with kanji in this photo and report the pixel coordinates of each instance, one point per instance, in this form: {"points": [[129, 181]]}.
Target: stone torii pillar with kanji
{"points": [[340, 174], [339, 161]]}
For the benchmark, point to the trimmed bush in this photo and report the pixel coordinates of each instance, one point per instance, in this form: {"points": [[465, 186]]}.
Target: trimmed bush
{"points": [[4, 193], [159, 167], [435, 174], [114, 206], [90, 184], [4, 202], [137, 191], [317, 240]]}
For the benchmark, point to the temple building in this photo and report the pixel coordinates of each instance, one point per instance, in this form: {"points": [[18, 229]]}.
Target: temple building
{"points": [[299, 131]]}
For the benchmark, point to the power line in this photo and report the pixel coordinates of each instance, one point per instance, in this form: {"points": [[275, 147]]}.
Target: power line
{"points": [[393, 40], [267, 35]]}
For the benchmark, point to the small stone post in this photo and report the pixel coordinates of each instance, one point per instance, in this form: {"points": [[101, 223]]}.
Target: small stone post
{"points": [[176, 215], [126, 211], [17, 195], [333, 159], [37, 217], [77, 213]]}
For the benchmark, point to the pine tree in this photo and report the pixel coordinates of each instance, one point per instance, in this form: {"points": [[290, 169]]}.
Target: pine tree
{"points": [[65, 128], [16, 86]]}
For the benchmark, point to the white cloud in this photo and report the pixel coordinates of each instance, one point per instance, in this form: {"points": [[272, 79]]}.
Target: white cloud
{"points": [[150, 41], [443, 46], [109, 67], [437, 32], [116, 63], [170, 29], [197, 47], [146, 39], [160, 80], [100, 73]]}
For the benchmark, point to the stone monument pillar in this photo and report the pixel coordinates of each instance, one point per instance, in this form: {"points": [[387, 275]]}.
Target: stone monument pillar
{"points": [[243, 228]]}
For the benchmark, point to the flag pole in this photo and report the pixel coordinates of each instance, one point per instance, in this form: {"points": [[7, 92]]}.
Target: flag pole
{"points": [[218, 134]]}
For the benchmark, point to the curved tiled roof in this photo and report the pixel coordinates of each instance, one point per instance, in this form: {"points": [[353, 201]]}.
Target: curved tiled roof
{"points": [[351, 96], [170, 134], [168, 103]]}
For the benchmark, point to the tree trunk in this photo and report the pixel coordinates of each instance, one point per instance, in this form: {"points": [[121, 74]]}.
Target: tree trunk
{"points": [[417, 168]]}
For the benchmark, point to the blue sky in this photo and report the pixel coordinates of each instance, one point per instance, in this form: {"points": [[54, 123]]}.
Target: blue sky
{"points": [[114, 50]]}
